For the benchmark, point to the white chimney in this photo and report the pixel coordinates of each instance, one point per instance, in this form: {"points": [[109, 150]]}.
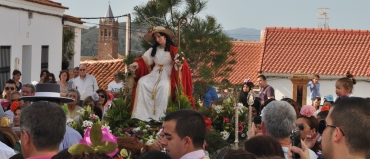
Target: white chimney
{"points": [[262, 34]]}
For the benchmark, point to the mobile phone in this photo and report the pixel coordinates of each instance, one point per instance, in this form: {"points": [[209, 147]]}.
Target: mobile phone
{"points": [[295, 137]]}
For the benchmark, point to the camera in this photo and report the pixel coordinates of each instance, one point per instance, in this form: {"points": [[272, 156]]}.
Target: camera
{"points": [[295, 137]]}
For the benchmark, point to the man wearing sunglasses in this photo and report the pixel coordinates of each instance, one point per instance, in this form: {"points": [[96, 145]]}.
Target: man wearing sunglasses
{"points": [[85, 83], [345, 131], [10, 87]]}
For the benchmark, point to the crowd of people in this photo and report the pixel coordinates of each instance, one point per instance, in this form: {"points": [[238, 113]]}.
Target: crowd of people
{"points": [[33, 123]]}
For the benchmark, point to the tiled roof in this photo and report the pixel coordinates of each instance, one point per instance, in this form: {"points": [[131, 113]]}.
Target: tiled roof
{"points": [[49, 3], [316, 51], [103, 70], [248, 55], [72, 19]]}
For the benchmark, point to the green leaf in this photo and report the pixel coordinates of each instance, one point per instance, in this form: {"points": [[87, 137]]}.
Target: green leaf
{"points": [[78, 149], [105, 147], [95, 134]]}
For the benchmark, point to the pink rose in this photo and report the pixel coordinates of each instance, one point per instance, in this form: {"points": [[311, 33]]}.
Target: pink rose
{"points": [[308, 110]]}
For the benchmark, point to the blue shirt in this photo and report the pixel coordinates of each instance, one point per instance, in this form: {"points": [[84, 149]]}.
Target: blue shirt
{"points": [[210, 96], [71, 137], [314, 90]]}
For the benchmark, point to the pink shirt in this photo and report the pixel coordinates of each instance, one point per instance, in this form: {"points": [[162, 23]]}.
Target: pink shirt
{"points": [[199, 154]]}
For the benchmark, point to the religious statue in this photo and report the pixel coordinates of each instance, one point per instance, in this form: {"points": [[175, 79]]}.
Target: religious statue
{"points": [[158, 75]]}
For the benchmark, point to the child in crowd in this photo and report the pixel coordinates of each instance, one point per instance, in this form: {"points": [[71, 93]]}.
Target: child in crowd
{"points": [[314, 87], [344, 86], [328, 101]]}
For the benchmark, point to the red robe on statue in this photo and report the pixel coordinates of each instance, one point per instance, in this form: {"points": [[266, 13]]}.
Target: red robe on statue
{"points": [[186, 80]]}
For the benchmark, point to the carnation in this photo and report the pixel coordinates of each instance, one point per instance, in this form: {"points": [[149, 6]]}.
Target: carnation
{"points": [[308, 110]]}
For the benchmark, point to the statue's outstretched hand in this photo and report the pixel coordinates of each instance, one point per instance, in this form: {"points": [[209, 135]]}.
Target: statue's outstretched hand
{"points": [[134, 66]]}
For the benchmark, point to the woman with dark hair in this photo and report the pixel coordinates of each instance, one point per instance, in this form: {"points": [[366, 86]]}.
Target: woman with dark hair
{"points": [[63, 82], [16, 77], [308, 124], [247, 87], [263, 146], [50, 78], [103, 98], [43, 75], [156, 84]]}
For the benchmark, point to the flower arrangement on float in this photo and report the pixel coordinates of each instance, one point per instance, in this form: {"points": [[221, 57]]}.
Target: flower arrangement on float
{"points": [[220, 119]]}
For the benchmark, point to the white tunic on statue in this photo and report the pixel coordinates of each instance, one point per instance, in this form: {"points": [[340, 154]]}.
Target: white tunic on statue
{"points": [[144, 104]]}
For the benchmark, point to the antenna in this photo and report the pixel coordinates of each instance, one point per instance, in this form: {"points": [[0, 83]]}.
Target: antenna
{"points": [[323, 16]]}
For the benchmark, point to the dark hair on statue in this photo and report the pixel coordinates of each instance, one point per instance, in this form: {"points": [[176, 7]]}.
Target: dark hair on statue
{"points": [[166, 48]]}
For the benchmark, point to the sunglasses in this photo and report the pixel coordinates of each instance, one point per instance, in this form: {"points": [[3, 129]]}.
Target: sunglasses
{"points": [[322, 126], [11, 88], [300, 126], [102, 96], [18, 100]]}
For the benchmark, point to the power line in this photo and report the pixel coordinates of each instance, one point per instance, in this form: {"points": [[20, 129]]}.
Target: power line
{"points": [[103, 17]]}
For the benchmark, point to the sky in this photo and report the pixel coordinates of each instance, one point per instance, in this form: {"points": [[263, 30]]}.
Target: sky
{"points": [[257, 14]]}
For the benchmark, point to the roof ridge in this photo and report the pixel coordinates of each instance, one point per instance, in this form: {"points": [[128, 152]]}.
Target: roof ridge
{"points": [[318, 30], [100, 61]]}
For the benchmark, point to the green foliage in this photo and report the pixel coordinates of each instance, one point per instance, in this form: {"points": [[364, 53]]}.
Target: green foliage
{"points": [[181, 101], [214, 141], [119, 116], [130, 58], [204, 43], [68, 44]]}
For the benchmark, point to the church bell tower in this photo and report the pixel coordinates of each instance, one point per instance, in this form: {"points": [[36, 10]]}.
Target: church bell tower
{"points": [[108, 37]]}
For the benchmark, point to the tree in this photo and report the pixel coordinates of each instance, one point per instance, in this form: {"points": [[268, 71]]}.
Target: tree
{"points": [[204, 43]]}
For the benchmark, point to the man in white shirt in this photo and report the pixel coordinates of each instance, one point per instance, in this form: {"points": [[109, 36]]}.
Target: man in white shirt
{"points": [[115, 86], [178, 140], [86, 84]]}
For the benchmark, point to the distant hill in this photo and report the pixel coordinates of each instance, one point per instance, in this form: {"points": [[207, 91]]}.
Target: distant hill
{"points": [[244, 34], [89, 39]]}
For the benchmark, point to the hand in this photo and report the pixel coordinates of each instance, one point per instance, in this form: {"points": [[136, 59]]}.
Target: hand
{"points": [[157, 143], [303, 152], [310, 140], [253, 131], [134, 66], [178, 66]]}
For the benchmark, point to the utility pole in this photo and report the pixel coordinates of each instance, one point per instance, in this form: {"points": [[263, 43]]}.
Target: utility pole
{"points": [[323, 16], [128, 37]]}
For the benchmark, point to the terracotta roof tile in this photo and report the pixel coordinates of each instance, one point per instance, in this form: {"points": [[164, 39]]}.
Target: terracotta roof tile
{"points": [[48, 3], [72, 19], [316, 51], [248, 55], [103, 70]]}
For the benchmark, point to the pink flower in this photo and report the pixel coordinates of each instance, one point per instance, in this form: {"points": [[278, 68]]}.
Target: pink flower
{"points": [[227, 120], [107, 136], [308, 110]]}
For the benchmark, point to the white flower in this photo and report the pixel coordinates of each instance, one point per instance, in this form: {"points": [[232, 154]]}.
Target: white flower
{"points": [[145, 130], [87, 123], [243, 135], [81, 111], [136, 130], [70, 121], [218, 109], [93, 116], [150, 141], [107, 127], [147, 126], [225, 135], [240, 104]]}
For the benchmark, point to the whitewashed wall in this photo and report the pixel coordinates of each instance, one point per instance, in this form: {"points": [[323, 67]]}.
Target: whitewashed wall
{"points": [[283, 87], [18, 30]]}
